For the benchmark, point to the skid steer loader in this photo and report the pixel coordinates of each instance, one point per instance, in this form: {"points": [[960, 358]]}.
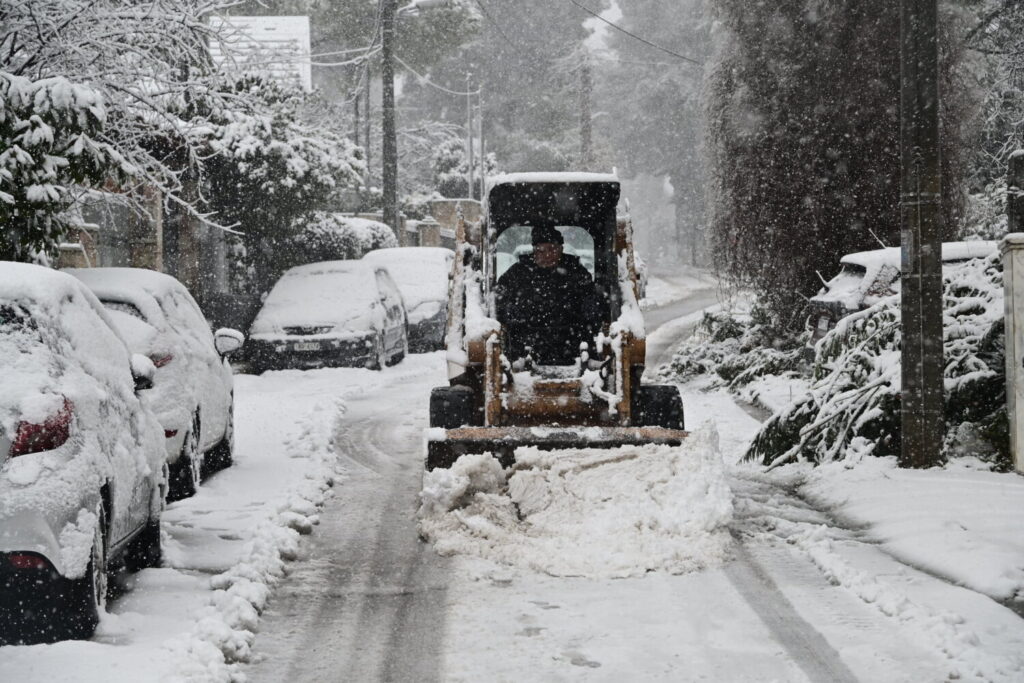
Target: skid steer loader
{"points": [[496, 402]]}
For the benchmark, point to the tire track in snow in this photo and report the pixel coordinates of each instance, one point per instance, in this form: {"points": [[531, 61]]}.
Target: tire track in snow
{"points": [[369, 602], [808, 648]]}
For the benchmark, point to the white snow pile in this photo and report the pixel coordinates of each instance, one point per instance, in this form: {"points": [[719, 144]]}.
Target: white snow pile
{"points": [[591, 513], [226, 629]]}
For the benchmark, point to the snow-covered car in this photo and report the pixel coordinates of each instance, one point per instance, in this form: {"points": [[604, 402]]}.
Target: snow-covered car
{"points": [[82, 469], [868, 276], [332, 313], [421, 274], [193, 393]]}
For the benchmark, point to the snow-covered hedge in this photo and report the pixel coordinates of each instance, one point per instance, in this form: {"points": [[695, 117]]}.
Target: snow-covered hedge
{"points": [[853, 408], [736, 350], [325, 236]]}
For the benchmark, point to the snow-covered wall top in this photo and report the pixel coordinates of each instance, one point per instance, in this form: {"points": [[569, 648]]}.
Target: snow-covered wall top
{"points": [[551, 177], [951, 251]]}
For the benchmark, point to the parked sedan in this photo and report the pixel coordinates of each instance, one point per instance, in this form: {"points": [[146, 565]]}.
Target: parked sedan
{"points": [[193, 393], [347, 313], [82, 467], [421, 274]]}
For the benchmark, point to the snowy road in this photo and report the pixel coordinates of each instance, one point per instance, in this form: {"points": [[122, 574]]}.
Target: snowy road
{"points": [[370, 601], [793, 596]]}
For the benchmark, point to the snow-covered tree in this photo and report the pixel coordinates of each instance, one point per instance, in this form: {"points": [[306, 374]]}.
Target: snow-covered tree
{"points": [[803, 128], [49, 144], [450, 166]]}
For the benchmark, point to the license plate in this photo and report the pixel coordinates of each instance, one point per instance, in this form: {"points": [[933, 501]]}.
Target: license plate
{"points": [[823, 323], [307, 346]]}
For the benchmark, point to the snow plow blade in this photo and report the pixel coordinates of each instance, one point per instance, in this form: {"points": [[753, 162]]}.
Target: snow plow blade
{"points": [[443, 451]]}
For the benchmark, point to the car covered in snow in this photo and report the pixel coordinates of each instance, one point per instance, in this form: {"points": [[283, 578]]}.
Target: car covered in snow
{"points": [[193, 393], [82, 468], [868, 276], [332, 313], [421, 274]]}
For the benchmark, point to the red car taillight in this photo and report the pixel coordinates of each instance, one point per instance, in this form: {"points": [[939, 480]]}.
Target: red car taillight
{"points": [[27, 561], [45, 436], [160, 360]]}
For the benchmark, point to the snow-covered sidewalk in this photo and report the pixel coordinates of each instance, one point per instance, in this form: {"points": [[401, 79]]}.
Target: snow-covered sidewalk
{"points": [[195, 618]]}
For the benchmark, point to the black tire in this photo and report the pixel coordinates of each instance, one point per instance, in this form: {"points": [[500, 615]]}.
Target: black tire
{"points": [[222, 455], [658, 406], [452, 407], [145, 550], [379, 359], [440, 454], [86, 597], [186, 473]]}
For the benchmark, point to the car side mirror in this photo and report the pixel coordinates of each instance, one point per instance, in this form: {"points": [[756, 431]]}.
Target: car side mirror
{"points": [[143, 372], [227, 340]]}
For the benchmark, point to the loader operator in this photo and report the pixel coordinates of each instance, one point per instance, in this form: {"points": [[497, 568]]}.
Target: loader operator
{"points": [[548, 304]]}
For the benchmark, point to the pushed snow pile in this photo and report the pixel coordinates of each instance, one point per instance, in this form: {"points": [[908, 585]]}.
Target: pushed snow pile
{"points": [[593, 512]]}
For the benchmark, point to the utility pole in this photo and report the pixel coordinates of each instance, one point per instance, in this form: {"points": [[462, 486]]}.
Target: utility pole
{"points": [[469, 139], [586, 127], [355, 110], [367, 121], [483, 148], [389, 151], [921, 222]]}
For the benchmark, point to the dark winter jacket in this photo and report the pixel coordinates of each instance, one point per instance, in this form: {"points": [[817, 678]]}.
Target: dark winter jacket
{"points": [[550, 310]]}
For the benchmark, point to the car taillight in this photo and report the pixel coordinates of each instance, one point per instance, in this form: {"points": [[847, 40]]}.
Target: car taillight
{"points": [[45, 436], [27, 561], [160, 360]]}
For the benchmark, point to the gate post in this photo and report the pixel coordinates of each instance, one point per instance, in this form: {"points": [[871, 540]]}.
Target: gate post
{"points": [[1012, 248]]}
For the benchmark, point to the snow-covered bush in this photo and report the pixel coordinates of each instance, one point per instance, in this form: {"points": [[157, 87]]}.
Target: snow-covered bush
{"points": [[736, 349], [324, 236], [853, 408], [49, 142]]}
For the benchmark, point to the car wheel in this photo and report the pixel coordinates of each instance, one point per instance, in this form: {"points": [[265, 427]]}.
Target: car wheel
{"points": [[379, 359], [87, 596], [403, 350], [223, 454], [145, 551], [186, 474]]}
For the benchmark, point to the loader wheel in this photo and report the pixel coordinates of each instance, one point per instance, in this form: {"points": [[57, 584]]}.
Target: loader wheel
{"points": [[658, 406], [440, 454], [452, 407]]}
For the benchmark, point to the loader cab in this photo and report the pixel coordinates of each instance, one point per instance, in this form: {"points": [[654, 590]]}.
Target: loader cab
{"points": [[583, 212]]}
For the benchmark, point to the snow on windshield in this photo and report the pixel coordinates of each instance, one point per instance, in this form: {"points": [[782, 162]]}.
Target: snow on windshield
{"points": [[336, 292], [590, 512]]}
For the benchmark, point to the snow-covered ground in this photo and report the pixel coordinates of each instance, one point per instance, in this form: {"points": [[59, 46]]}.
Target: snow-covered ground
{"points": [[195, 618], [637, 563], [664, 287]]}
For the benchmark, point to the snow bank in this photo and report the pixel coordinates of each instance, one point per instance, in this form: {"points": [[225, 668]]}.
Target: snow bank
{"points": [[591, 513], [962, 522], [226, 628]]}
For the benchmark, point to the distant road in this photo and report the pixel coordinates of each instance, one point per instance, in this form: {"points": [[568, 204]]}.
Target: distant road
{"points": [[660, 345]]}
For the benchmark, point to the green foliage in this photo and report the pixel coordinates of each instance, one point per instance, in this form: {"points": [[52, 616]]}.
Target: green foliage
{"points": [[735, 350], [49, 141], [803, 135], [853, 408]]}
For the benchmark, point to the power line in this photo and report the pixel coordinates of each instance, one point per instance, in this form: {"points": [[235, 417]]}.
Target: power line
{"points": [[633, 35], [424, 79]]}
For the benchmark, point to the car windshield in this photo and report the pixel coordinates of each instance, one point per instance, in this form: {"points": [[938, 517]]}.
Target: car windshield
{"points": [[514, 244], [319, 294], [124, 307]]}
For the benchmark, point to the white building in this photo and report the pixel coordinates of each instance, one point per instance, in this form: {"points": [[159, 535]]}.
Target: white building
{"points": [[279, 46]]}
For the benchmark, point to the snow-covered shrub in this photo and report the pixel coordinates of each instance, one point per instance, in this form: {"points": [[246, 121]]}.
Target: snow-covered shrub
{"points": [[49, 142], [736, 349], [853, 408], [324, 236]]}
